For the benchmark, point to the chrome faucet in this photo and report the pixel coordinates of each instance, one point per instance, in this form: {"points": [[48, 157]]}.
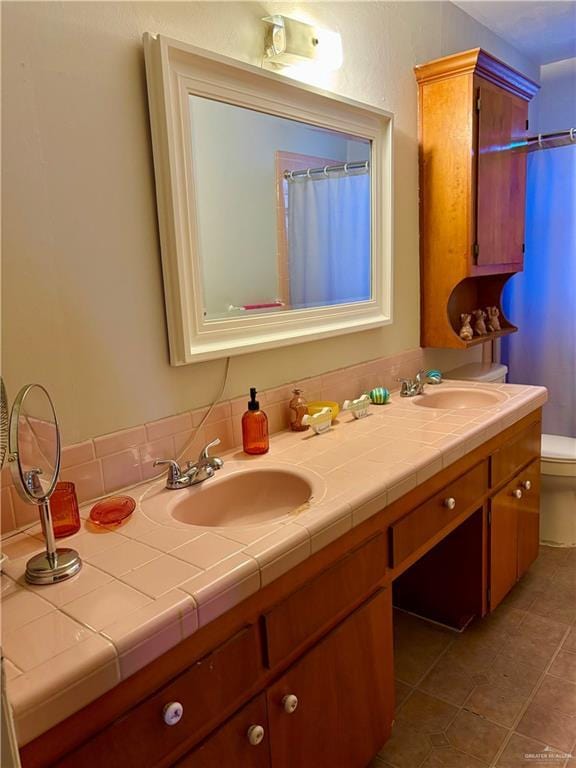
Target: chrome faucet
{"points": [[413, 387], [194, 473]]}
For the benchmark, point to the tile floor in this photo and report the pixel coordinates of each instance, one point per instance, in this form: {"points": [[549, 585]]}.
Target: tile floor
{"points": [[501, 694]]}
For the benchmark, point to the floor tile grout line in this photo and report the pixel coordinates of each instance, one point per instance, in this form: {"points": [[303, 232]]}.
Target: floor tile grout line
{"points": [[529, 701]]}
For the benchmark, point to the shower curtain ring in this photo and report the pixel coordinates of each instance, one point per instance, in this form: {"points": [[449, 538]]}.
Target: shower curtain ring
{"points": [[326, 171], [572, 134]]}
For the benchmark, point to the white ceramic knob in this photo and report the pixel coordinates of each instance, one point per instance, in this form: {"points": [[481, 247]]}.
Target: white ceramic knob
{"points": [[255, 735], [173, 713], [517, 493], [526, 484], [450, 502], [290, 702]]}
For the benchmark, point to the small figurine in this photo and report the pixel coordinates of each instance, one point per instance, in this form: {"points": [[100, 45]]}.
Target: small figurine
{"points": [[320, 422], [493, 323], [358, 407], [297, 410], [466, 329], [379, 395], [479, 322]]}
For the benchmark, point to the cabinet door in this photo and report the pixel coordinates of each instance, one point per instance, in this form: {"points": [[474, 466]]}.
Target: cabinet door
{"points": [[501, 179], [503, 544], [528, 517], [235, 744], [345, 695]]}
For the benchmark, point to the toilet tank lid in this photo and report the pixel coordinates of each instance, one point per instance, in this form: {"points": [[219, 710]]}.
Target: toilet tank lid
{"points": [[559, 447], [478, 372]]}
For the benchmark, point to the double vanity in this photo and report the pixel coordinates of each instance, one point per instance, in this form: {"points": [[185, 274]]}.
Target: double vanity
{"points": [[279, 652]]}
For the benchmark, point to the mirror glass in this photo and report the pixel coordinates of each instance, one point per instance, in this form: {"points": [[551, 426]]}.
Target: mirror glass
{"points": [[282, 212], [34, 444]]}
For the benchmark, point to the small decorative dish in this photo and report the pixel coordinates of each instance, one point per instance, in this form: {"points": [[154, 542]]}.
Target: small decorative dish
{"points": [[113, 511]]}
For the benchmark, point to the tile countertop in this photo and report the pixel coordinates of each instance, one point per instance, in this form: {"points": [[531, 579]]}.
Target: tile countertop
{"points": [[145, 586]]}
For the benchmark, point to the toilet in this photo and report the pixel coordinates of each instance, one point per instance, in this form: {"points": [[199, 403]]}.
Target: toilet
{"points": [[558, 463], [558, 505], [493, 373]]}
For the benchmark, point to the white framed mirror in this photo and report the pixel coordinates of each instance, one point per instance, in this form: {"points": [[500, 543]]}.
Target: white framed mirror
{"points": [[274, 205]]}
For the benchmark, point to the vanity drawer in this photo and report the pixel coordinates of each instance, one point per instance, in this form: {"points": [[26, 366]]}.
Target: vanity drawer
{"points": [[325, 599], [515, 454], [208, 691], [412, 531]]}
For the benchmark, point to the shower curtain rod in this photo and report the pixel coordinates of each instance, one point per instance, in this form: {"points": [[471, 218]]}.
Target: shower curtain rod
{"points": [[342, 168], [540, 138]]}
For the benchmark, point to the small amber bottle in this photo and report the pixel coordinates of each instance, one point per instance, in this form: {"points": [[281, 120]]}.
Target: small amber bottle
{"points": [[297, 410], [255, 428]]}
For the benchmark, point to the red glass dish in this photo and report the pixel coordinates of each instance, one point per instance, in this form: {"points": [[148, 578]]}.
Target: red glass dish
{"points": [[112, 511]]}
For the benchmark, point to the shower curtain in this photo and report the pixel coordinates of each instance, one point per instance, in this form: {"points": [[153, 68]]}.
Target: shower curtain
{"points": [[542, 299], [329, 240]]}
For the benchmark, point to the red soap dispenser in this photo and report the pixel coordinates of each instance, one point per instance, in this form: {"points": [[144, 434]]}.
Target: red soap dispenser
{"points": [[255, 428]]}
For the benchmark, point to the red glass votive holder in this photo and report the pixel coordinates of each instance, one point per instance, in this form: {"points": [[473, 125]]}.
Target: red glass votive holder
{"points": [[64, 509]]}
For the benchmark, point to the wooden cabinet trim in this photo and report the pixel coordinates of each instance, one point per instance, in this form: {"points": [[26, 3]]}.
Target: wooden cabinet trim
{"points": [[479, 62]]}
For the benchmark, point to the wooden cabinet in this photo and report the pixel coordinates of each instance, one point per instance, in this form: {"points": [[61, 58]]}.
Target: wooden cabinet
{"points": [[206, 692], [416, 528], [322, 632], [473, 112], [243, 742], [344, 690], [514, 531]]}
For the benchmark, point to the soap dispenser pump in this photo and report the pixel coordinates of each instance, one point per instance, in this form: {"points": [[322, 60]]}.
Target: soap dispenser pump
{"points": [[255, 428]]}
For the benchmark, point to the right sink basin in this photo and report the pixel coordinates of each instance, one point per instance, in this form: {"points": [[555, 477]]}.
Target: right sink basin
{"points": [[460, 397]]}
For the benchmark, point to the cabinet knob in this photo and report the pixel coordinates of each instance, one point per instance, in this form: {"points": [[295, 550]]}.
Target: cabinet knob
{"points": [[526, 484], [173, 713], [517, 493], [255, 735], [449, 503], [290, 702]]}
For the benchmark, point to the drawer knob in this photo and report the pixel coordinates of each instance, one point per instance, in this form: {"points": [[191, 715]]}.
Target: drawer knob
{"points": [[450, 502], [526, 484], [290, 702], [173, 713], [255, 735], [517, 493]]}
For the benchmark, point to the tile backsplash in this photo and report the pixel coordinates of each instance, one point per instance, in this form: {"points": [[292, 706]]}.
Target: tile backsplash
{"points": [[108, 463]]}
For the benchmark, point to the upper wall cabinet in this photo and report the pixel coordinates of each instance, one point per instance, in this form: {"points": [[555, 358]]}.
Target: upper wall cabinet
{"points": [[274, 205], [473, 119]]}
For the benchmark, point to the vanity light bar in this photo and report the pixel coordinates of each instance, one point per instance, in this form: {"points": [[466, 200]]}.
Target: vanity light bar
{"points": [[342, 168]]}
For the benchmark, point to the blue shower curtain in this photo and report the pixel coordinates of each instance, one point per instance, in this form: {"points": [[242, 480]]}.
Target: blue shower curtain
{"points": [[329, 240], [542, 299]]}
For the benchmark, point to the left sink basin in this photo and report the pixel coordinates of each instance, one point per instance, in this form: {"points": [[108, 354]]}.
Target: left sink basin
{"points": [[236, 497]]}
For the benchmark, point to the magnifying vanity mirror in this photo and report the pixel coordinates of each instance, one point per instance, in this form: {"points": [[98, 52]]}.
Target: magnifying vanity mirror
{"points": [[34, 456], [274, 203]]}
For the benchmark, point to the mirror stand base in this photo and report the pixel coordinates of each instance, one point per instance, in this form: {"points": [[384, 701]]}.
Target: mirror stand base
{"points": [[50, 569]]}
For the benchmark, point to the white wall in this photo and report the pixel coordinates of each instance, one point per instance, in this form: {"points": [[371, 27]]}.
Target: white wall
{"points": [[82, 289]]}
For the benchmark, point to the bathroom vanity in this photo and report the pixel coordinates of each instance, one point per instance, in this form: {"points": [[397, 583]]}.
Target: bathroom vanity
{"points": [[301, 671]]}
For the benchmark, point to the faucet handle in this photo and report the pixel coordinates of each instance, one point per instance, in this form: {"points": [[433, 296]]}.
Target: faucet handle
{"points": [[420, 376], [31, 479], [407, 384], [204, 452], [174, 472]]}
